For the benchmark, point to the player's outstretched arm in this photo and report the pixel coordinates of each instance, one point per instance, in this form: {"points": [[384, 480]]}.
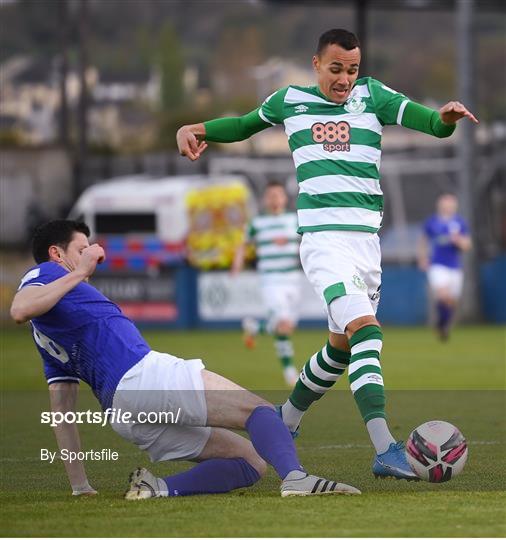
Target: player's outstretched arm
{"points": [[191, 139], [440, 123], [33, 301], [63, 398]]}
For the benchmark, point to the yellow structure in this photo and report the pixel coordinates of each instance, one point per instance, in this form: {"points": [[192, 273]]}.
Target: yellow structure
{"points": [[218, 217]]}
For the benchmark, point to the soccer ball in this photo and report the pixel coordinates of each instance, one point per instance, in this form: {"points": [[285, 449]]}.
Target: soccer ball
{"points": [[436, 451]]}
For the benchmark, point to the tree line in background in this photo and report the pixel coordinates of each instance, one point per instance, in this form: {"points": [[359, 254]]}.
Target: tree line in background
{"points": [[223, 41]]}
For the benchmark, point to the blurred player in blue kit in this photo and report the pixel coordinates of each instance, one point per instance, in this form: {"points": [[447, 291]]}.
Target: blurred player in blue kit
{"points": [[445, 236], [83, 336]]}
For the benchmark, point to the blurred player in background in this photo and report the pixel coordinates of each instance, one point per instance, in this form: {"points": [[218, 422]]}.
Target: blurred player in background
{"points": [[445, 236], [274, 235], [81, 335], [334, 133]]}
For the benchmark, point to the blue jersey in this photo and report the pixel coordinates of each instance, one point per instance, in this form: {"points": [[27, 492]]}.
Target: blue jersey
{"points": [[439, 231], [84, 336]]}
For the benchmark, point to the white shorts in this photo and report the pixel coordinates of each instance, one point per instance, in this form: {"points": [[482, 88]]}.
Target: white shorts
{"points": [[281, 299], [164, 383], [341, 263], [443, 277]]}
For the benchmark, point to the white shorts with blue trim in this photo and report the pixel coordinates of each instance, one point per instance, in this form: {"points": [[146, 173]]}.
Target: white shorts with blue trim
{"points": [[444, 277], [162, 383]]}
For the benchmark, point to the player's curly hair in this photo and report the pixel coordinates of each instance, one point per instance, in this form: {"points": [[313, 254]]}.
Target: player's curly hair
{"points": [[337, 36], [55, 233]]}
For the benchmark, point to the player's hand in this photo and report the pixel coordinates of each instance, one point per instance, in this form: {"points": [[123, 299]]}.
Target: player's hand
{"points": [[90, 257], [460, 241], [188, 144], [455, 238], [454, 111]]}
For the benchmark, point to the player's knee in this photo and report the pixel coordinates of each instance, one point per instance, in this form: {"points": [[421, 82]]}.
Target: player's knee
{"points": [[284, 328], [257, 463], [249, 406], [339, 341], [360, 322], [351, 312]]}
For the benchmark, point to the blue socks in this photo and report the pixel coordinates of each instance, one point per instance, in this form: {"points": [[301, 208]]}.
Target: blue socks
{"points": [[272, 441], [444, 315], [212, 476]]}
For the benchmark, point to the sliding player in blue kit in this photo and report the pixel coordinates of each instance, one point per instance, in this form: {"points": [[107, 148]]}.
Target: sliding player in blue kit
{"points": [[82, 335]]}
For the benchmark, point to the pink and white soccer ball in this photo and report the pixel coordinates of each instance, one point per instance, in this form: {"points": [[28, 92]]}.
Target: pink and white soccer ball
{"points": [[436, 451]]}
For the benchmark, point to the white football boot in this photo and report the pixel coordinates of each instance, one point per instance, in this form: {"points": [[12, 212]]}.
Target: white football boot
{"points": [[144, 485], [313, 485]]}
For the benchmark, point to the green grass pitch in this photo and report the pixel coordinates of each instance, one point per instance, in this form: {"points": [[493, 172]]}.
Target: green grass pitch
{"points": [[462, 381]]}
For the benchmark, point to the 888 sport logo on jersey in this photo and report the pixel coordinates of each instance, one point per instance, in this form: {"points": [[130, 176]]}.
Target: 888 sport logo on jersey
{"points": [[335, 136]]}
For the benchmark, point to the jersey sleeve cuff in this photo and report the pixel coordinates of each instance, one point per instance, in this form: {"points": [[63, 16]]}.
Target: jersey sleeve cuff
{"points": [[62, 379], [439, 128], [34, 284]]}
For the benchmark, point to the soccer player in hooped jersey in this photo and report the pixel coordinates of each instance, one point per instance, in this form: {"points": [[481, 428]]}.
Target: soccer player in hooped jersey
{"points": [[448, 236], [334, 133], [274, 235], [82, 335]]}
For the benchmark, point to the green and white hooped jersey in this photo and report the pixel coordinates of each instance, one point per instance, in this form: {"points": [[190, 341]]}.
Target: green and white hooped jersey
{"points": [[337, 151], [277, 243]]}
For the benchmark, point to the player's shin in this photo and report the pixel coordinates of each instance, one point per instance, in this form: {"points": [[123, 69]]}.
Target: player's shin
{"points": [[444, 314], [318, 375], [366, 382], [284, 349], [273, 442], [212, 476]]}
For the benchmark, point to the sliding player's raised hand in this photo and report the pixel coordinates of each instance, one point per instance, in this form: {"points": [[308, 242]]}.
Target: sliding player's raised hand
{"points": [[90, 257], [188, 142], [454, 111]]}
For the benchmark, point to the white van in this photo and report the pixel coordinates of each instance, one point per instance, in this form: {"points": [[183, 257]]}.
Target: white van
{"points": [[142, 205]]}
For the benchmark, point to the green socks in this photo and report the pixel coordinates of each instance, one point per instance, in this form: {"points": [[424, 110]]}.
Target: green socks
{"points": [[284, 349], [364, 372], [318, 375]]}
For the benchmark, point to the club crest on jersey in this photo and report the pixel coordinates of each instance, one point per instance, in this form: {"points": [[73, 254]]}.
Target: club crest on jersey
{"points": [[335, 136], [359, 282], [301, 109], [355, 105]]}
